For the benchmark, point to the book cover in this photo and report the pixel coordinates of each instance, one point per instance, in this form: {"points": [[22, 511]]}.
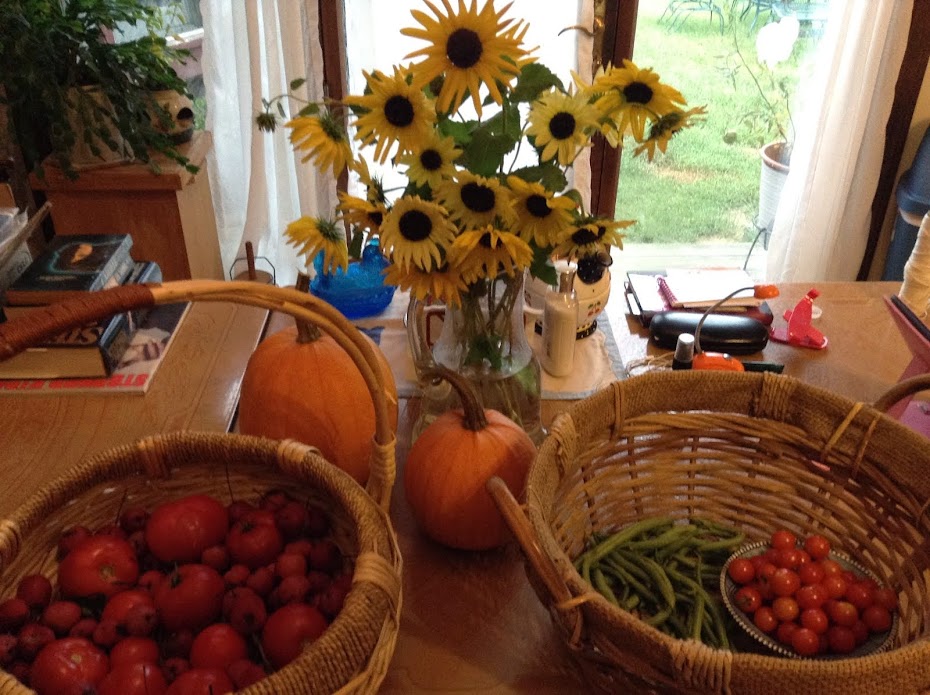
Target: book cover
{"points": [[70, 264], [703, 288], [136, 368]]}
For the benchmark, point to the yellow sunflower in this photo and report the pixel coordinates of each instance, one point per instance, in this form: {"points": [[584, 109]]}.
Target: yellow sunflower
{"points": [[396, 112], [324, 140], [444, 283], [662, 130], [360, 212], [428, 164], [592, 236], [475, 201], [488, 251], [562, 124], [631, 96], [374, 187], [415, 232], [313, 235], [468, 48], [540, 215]]}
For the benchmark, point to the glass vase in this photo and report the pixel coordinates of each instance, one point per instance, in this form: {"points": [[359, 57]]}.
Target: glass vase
{"points": [[484, 340]]}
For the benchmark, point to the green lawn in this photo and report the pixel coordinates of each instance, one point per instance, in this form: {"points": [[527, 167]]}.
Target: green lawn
{"points": [[704, 188]]}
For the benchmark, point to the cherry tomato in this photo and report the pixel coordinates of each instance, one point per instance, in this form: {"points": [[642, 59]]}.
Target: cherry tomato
{"points": [[785, 582], [764, 619], [810, 573], [860, 595], [843, 613], [886, 598], [134, 650], [289, 629], [811, 596], [783, 539], [816, 620], [255, 540], [201, 681], [789, 558], [877, 618], [138, 678], [98, 565], [72, 665], [817, 546], [217, 646], [741, 570], [785, 608], [860, 632], [191, 598], [748, 599], [785, 631], [805, 641], [35, 590], [842, 640], [180, 530], [830, 567], [835, 585]]}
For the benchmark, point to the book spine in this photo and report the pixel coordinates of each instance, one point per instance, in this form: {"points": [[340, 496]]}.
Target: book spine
{"points": [[116, 269], [114, 343]]}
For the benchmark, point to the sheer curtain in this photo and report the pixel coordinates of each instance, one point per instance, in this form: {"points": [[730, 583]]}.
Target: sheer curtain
{"points": [[253, 50], [822, 223]]}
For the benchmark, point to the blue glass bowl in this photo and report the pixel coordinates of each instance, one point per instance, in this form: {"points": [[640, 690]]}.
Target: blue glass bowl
{"points": [[358, 292]]}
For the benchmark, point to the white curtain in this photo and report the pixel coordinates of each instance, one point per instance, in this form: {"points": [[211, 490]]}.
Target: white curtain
{"points": [[253, 49], [822, 223]]}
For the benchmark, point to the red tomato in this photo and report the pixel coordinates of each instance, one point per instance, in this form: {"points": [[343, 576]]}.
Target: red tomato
{"points": [[805, 641], [811, 596], [785, 582], [191, 597], [815, 620], [886, 598], [835, 585], [785, 631], [98, 565], [741, 570], [860, 595], [831, 568], [789, 558], [134, 679], [288, 630], [120, 604], [843, 613], [785, 609], [748, 599], [817, 546], [180, 530], [877, 619], [66, 666], [134, 650], [783, 539], [765, 619], [842, 640], [255, 540], [810, 573], [201, 681], [217, 646]]}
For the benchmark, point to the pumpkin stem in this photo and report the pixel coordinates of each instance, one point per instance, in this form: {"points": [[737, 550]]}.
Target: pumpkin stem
{"points": [[474, 419], [306, 332]]}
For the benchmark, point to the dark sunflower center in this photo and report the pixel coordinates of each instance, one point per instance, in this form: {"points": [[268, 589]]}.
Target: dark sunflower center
{"points": [[464, 48], [583, 236], [562, 125], [477, 198], [485, 241], [376, 218], [415, 225], [537, 206], [637, 93], [430, 160], [601, 231], [398, 111]]}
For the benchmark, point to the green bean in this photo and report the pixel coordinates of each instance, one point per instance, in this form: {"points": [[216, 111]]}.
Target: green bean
{"points": [[673, 535], [626, 534], [603, 586], [697, 616], [612, 566]]}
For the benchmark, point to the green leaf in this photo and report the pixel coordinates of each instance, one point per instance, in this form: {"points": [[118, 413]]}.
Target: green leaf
{"points": [[457, 130], [485, 347], [506, 122], [484, 155], [550, 175], [534, 79], [309, 110], [298, 83], [355, 246], [542, 266]]}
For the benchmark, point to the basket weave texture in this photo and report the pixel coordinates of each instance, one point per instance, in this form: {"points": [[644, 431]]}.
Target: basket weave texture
{"points": [[353, 654], [754, 451]]}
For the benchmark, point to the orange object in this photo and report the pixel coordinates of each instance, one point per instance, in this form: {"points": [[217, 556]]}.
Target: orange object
{"points": [[719, 361], [764, 291]]}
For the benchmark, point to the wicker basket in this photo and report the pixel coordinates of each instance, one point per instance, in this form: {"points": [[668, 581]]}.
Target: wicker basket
{"points": [[755, 451], [353, 655]]}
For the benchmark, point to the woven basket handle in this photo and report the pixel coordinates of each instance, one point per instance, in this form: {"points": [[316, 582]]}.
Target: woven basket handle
{"points": [[45, 322], [902, 390], [521, 528]]}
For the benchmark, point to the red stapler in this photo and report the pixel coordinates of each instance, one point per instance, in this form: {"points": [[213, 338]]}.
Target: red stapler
{"points": [[799, 331]]}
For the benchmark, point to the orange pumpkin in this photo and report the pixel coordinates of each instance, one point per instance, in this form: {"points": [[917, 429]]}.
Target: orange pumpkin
{"points": [[450, 463], [304, 386]]}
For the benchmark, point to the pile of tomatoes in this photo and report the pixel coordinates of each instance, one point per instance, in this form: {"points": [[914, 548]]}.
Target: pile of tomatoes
{"points": [[796, 593], [193, 598]]}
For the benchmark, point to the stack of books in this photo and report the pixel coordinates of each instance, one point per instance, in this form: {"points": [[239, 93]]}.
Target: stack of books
{"points": [[121, 351], [648, 293]]}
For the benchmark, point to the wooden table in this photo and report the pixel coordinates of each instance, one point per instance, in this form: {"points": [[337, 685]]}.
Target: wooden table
{"points": [[471, 622]]}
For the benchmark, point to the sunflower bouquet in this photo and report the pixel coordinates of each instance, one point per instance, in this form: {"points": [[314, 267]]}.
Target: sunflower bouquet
{"points": [[470, 218]]}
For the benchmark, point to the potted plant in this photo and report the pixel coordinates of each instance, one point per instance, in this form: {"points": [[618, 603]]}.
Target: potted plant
{"points": [[77, 95]]}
